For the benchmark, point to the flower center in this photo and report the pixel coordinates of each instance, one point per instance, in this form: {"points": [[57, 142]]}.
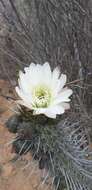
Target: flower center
{"points": [[41, 97]]}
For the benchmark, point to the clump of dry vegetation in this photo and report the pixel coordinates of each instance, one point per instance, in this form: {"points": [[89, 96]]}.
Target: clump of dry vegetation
{"points": [[59, 32]]}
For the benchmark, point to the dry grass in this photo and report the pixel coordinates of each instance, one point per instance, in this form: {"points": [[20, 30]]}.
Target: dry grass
{"points": [[56, 31]]}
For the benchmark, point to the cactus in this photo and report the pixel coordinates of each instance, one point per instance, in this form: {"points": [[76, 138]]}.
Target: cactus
{"points": [[58, 32]]}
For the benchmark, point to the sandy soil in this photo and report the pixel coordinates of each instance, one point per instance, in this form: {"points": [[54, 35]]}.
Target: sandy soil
{"points": [[15, 174]]}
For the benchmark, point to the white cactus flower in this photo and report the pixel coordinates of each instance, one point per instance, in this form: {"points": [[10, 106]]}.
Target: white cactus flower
{"points": [[43, 91]]}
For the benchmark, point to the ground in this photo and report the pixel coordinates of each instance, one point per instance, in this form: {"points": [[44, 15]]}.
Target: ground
{"points": [[15, 174]]}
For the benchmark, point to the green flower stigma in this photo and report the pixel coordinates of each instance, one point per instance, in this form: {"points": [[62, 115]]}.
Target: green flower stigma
{"points": [[41, 97]]}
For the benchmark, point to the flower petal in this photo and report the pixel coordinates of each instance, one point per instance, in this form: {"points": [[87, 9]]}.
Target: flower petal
{"points": [[25, 97], [66, 106], [63, 96], [21, 102], [60, 83], [47, 68], [63, 79], [39, 111], [55, 74], [46, 74], [50, 114], [54, 110], [24, 82], [40, 74], [31, 66], [46, 111], [55, 79]]}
